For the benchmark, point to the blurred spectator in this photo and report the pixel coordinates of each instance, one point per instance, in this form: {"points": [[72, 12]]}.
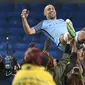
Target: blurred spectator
{"points": [[54, 62], [76, 55], [2, 74], [81, 56], [1, 64], [31, 45], [57, 68], [75, 79], [33, 70]]}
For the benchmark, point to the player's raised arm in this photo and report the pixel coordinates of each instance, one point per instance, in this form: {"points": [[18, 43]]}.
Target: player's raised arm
{"points": [[26, 26]]}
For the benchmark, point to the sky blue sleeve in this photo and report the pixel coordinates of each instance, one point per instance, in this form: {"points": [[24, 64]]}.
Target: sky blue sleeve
{"points": [[38, 27]]}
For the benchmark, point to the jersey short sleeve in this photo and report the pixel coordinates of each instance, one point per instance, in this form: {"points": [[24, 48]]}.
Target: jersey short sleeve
{"points": [[38, 27]]}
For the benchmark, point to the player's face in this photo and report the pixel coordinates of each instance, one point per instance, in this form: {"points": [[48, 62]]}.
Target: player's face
{"points": [[50, 12]]}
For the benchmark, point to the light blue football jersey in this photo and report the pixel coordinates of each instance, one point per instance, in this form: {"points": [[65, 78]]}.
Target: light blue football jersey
{"points": [[52, 29]]}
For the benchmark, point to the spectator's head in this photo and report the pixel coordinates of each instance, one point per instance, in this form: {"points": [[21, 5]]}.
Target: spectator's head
{"points": [[33, 56], [75, 79], [48, 60], [75, 76], [36, 57], [50, 12]]}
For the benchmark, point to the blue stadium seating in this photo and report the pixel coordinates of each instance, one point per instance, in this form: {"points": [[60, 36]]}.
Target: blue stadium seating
{"points": [[3, 53], [32, 21], [81, 7], [42, 38], [6, 7], [19, 61], [3, 23], [37, 7], [2, 39], [64, 15], [38, 45], [52, 47], [27, 39], [16, 31], [19, 54], [3, 15], [15, 23], [2, 31], [69, 7], [53, 53], [15, 39], [21, 46], [36, 15], [14, 14], [20, 7], [3, 48]]}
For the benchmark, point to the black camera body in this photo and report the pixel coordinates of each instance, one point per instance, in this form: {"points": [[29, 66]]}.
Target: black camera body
{"points": [[9, 65]]}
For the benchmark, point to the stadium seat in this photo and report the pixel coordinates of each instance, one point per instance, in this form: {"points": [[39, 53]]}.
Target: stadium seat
{"points": [[19, 54], [79, 15], [78, 23], [81, 7], [53, 53], [36, 7], [27, 39], [42, 38], [15, 23], [38, 45], [3, 23], [21, 46], [2, 38], [32, 21], [20, 7], [3, 15], [16, 31], [2, 32], [6, 7], [3, 53], [4, 49], [14, 14], [15, 39], [36, 15], [69, 7], [52, 47]]}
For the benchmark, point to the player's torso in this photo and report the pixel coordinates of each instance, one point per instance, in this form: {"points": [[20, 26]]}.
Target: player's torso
{"points": [[54, 28]]}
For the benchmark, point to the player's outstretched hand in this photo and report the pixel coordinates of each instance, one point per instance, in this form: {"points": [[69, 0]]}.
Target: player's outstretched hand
{"points": [[24, 13]]}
